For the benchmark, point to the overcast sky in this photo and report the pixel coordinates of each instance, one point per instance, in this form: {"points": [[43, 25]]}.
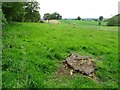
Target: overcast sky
{"points": [[82, 8]]}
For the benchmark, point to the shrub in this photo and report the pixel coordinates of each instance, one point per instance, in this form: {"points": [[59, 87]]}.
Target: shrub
{"points": [[4, 20], [41, 21], [114, 21]]}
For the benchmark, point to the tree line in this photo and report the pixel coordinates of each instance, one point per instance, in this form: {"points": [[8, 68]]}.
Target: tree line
{"points": [[29, 12], [21, 11], [55, 15]]}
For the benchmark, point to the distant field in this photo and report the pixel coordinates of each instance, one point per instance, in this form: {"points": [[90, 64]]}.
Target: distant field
{"points": [[32, 53]]}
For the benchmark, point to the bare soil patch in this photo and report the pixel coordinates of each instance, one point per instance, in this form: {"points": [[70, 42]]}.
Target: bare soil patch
{"points": [[74, 64]]}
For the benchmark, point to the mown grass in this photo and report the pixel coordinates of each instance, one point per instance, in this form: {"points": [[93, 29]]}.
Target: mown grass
{"points": [[32, 52]]}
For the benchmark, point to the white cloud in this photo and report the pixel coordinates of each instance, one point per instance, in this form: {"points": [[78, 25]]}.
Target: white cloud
{"points": [[82, 8]]}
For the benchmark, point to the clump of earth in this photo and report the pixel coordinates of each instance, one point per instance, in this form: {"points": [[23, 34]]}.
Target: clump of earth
{"points": [[75, 63]]}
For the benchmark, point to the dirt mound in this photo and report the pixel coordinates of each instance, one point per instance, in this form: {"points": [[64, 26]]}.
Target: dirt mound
{"points": [[78, 64], [52, 21]]}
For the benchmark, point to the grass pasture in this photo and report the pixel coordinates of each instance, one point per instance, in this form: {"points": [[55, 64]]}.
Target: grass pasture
{"points": [[32, 52]]}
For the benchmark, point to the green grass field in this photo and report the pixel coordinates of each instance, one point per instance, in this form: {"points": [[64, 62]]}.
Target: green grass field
{"points": [[32, 53]]}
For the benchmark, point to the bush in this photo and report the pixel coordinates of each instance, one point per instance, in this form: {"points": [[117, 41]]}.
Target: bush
{"points": [[4, 20], [41, 21], [114, 21]]}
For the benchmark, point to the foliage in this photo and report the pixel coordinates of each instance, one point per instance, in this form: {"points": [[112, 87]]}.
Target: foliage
{"points": [[32, 13], [46, 16], [114, 21], [4, 21], [21, 11], [99, 23], [78, 18], [13, 11], [55, 15], [32, 53], [101, 18], [41, 21], [95, 19]]}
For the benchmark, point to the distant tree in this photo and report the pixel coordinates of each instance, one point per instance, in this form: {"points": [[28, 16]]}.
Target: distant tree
{"points": [[52, 16], [55, 15], [95, 19], [78, 18], [46, 16], [100, 19]]}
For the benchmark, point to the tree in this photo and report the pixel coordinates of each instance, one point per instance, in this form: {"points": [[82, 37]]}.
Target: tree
{"points": [[78, 18], [100, 19], [32, 6], [31, 11], [13, 11], [52, 16], [46, 16], [55, 16], [21, 11], [60, 17]]}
